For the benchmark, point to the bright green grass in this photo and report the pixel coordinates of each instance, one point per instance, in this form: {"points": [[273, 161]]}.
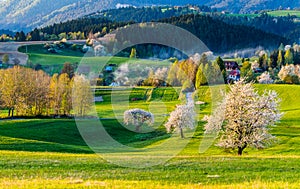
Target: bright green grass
{"points": [[51, 154], [39, 49], [38, 55], [285, 13]]}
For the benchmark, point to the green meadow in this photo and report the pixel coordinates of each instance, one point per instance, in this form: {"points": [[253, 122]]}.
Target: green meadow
{"points": [[53, 62], [51, 153], [285, 13]]}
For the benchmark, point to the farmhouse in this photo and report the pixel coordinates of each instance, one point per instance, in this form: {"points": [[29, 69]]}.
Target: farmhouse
{"points": [[234, 75], [233, 69], [230, 65]]}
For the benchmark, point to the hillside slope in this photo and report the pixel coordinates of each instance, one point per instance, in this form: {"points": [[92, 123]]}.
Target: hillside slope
{"points": [[27, 14]]}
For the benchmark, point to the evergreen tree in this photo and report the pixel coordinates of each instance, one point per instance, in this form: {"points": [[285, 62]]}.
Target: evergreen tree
{"points": [[35, 35], [273, 59], [220, 62], [263, 62], [281, 47], [22, 36]]}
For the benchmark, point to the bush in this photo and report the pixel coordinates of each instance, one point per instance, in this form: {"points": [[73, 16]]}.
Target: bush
{"points": [[294, 79], [278, 81]]}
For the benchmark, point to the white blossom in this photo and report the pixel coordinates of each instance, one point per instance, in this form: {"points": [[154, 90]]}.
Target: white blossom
{"points": [[254, 65], [182, 117], [289, 70], [138, 117], [265, 78], [161, 74], [245, 118]]}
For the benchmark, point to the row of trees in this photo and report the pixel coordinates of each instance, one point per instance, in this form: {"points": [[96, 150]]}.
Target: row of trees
{"points": [[278, 58], [242, 118], [192, 72], [34, 93], [198, 72]]}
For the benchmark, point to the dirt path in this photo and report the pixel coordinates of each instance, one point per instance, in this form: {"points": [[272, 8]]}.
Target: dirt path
{"points": [[11, 48]]}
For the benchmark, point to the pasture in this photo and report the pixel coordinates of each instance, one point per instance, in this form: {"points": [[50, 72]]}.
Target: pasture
{"points": [[51, 153], [53, 62], [285, 13]]}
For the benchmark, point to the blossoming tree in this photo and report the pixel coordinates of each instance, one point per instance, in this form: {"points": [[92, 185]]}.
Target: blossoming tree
{"points": [[182, 117], [265, 78], [245, 118], [138, 117]]}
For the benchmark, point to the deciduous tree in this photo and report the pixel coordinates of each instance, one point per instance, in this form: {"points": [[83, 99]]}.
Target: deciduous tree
{"points": [[182, 117], [246, 119], [138, 117]]}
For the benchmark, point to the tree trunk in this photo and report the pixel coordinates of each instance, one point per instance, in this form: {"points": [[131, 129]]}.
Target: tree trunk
{"points": [[240, 149], [137, 128], [181, 133], [12, 113]]}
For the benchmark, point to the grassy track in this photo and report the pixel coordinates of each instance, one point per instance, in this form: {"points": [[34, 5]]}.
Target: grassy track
{"points": [[52, 154]]}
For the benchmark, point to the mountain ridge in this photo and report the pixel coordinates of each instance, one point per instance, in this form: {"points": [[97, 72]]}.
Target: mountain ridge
{"points": [[28, 14]]}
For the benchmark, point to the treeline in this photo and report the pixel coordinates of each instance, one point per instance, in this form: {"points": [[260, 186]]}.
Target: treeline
{"points": [[217, 35], [284, 25], [85, 25], [221, 37], [27, 92], [279, 58], [191, 73], [148, 14]]}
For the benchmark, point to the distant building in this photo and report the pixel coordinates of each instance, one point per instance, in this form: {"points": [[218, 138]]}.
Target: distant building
{"points": [[109, 69], [114, 84], [234, 75], [231, 65]]}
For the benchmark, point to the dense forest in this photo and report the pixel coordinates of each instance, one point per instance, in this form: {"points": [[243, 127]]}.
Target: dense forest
{"points": [[217, 35], [148, 14], [85, 25], [283, 26]]}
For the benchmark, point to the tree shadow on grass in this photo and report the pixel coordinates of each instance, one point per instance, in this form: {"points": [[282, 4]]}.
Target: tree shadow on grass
{"points": [[62, 135]]}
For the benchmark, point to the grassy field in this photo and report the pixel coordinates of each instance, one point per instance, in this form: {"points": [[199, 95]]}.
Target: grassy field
{"points": [[276, 13], [285, 13], [52, 154], [53, 62]]}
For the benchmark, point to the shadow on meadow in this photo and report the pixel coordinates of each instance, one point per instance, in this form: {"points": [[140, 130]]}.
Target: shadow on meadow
{"points": [[63, 136]]}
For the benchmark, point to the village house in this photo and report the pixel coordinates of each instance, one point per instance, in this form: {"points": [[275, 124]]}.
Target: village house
{"points": [[233, 70]]}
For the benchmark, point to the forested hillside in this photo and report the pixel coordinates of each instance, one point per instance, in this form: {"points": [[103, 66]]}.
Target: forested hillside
{"points": [[284, 25], [27, 14], [147, 14], [217, 35]]}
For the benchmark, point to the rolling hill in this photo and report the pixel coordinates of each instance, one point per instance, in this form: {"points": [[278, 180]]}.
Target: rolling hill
{"points": [[28, 14]]}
